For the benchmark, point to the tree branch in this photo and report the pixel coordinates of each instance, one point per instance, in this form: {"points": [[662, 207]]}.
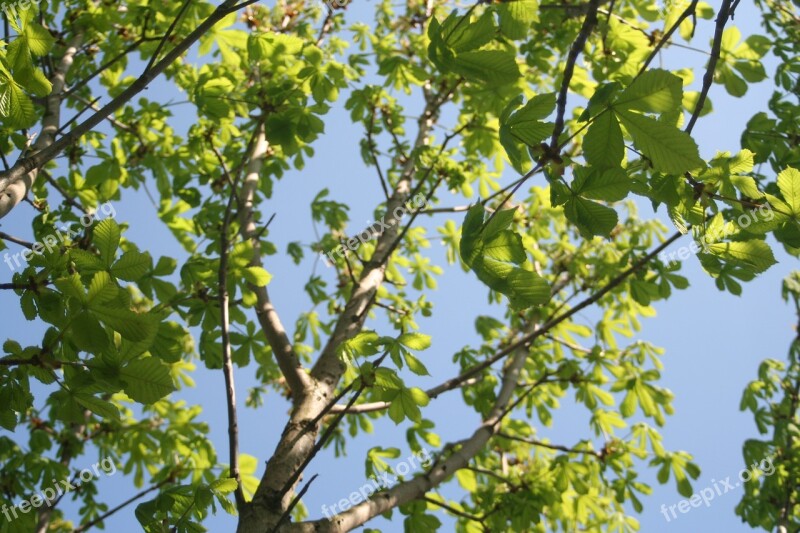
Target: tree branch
{"points": [[296, 377], [16, 182], [589, 22], [297, 443], [416, 488]]}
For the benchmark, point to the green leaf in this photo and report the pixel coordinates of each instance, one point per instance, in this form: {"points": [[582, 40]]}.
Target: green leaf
{"points": [[71, 286], [21, 113], [364, 343], [406, 404], [525, 124], [492, 254], [106, 410], [87, 333], [257, 276], [106, 238], [467, 479], [506, 246], [603, 145], [789, 185], [87, 262], [755, 255], [470, 242], [493, 67], [132, 265], [39, 40], [147, 380], [499, 222], [464, 35], [135, 327], [590, 217], [670, 149], [102, 289], [655, 91], [517, 17], [415, 341], [528, 288], [415, 365], [610, 185]]}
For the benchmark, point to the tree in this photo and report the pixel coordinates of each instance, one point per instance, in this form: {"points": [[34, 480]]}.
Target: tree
{"points": [[452, 101]]}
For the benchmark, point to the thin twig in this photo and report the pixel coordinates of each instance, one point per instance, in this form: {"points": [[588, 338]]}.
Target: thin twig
{"points": [[130, 48], [453, 510], [67, 197], [577, 47], [88, 525], [589, 22], [77, 115], [374, 155], [716, 49], [167, 35], [227, 364], [683, 16], [558, 447], [6, 237], [294, 502]]}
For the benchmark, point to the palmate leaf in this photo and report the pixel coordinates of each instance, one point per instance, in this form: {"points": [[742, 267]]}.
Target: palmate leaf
{"points": [[494, 253], [406, 403], [671, 150], [523, 128]]}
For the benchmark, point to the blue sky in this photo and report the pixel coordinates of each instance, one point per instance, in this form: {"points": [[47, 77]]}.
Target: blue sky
{"points": [[713, 340]]}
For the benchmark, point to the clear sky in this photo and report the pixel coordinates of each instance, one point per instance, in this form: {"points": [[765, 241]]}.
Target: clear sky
{"points": [[713, 340]]}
